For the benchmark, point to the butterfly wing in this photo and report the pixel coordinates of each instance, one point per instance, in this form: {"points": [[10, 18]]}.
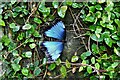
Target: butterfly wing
{"points": [[54, 49], [57, 31]]}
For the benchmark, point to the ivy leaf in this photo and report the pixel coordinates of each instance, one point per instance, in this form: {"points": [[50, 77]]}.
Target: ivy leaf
{"points": [[55, 3], [68, 65], [75, 5], [58, 62], [95, 38], [98, 29], [116, 51], [62, 11], [98, 7], [91, 8], [32, 46], [90, 18], [1, 46], [52, 67], [74, 58], [27, 54], [95, 48], [85, 55], [25, 71], [118, 43], [37, 20], [63, 71], [2, 23], [37, 71], [97, 66], [17, 60], [109, 26], [117, 21], [108, 41], [16, 67], [93, 60], [26, 27], [115, 64], [80, 69], [89, 69]]}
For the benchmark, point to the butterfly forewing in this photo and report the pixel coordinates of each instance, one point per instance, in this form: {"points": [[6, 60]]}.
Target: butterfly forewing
{"points": [[57, 31]]}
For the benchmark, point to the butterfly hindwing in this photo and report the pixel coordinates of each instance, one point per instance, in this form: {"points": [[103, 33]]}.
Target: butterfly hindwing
{"points": [[54, 49], [57, 31]]}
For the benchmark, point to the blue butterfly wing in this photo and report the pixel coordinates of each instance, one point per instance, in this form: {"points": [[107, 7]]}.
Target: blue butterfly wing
{"points": [[57, 31], [54, 49]]}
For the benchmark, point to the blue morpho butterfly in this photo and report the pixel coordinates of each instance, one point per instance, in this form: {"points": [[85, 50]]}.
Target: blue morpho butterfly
{"points": [[54, 48]]}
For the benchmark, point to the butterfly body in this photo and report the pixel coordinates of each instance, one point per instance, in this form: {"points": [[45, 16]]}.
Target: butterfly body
{"points": [[54, 48]]}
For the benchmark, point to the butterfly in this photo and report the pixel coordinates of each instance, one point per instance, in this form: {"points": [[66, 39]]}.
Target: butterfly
{"points": [[55, 48]]}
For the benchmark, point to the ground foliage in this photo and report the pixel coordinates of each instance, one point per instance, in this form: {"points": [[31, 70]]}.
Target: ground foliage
{"points": [[20, 38]]}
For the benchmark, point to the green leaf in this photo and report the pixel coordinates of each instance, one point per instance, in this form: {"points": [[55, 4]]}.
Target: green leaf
{"points": [[80, 69], [68, 65], [2, 23], [110, 68], [74, 58], [118, 43], [26, 27], [104, 56], [98, 7], [55, 3], [12, 25], [95, 48], [36, 63], [44, 61], [13, 1], [27, 54], [115, 64], [6, 40], [116, 51], [69, 2], [1, 46], [97, 66], [37, 20], [25, 71], [93, 60], [90, 18], [117, 21], [16, 67], [91, 8], [92, 27], [98, 29], [85, 55], [52, 66], [89, 69], [98, 14], [17, 9], [32, 46], [62, 11], [37, 71], [58, 62], [109, 26], [45, 11], [75, 5], [109, 7], [16, 28], [17, 60], [36, 34], [108, 41], [63, 71], [1, 10], [95, 38], [114, 36]]}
